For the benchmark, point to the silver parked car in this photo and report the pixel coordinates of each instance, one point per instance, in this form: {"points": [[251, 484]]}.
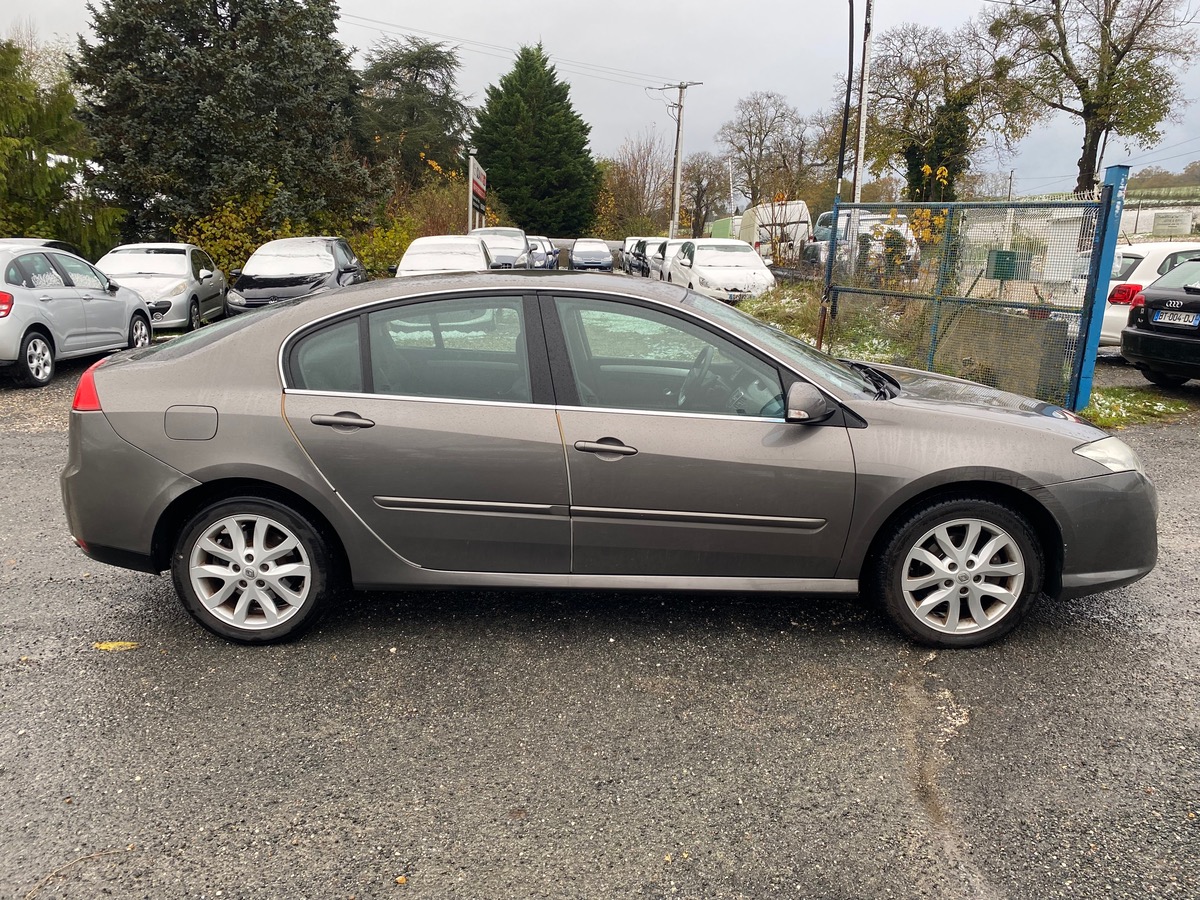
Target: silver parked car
{"points": [[55, 305], [179, 282], [632, 436]]}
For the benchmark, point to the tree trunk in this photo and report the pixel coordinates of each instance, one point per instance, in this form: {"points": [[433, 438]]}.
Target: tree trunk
{"points": [[1092, 134]]}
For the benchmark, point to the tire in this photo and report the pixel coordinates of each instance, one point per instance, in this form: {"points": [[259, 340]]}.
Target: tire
{"points": [[194, 321], [139, 332], [933, 555], [668, 278], [35, 360], [209, 569], [1162, 379]]}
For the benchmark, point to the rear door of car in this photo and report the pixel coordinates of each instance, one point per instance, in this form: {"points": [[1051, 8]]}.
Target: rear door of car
{"points": [[434, 421], [717, 484], [55, 301]]}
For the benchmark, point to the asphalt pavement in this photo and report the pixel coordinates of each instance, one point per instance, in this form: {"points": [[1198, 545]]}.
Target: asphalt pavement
{"points": [[519, 744]]}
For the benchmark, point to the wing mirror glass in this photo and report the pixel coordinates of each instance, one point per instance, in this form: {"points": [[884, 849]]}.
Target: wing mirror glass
{"points": [[807, 405]]}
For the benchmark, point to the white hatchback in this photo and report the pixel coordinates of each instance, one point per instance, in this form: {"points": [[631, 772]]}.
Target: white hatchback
{"points": [[721, 268]]}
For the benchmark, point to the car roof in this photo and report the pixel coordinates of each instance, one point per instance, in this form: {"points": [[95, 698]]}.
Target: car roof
{"points": [[468, 239], [162, 245]]}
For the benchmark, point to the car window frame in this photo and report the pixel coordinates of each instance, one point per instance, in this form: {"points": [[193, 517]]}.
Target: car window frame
{"points": [[540, 380], [60, 265], [28, 274]]}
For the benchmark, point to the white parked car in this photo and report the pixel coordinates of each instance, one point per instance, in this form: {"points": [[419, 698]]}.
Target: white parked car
{"points": [[444, 253], [179, 282], [660, 259], [721, 268], [1136, 266]]}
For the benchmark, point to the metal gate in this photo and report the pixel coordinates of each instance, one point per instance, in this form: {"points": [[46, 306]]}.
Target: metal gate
{"points": [[1007, 294]]}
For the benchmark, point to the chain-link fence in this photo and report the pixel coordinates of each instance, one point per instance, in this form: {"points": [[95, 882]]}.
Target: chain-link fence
{"points": [[1000, 293]]}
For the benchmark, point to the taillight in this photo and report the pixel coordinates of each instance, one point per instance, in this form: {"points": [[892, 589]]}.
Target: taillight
{"points": [[6, 302], [86, 398], [1124, 293], [1139, 299]]}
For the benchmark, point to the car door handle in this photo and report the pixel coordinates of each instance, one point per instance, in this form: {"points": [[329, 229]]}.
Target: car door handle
{"points": [[346, 420], [45, 298], [603, 446]]}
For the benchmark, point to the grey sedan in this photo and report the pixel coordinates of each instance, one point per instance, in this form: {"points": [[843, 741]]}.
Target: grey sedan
{"points": [[55, 305], [639, 436], [179, 282]]}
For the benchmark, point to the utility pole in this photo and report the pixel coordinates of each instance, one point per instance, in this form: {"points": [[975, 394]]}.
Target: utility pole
{"points": [[864, 84], [676, 182]]}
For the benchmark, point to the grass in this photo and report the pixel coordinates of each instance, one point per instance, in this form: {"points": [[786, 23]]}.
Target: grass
{"points": [[1117, 407]]}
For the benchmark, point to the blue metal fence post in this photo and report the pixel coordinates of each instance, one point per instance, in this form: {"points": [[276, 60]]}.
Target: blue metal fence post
{"points": [[1104, 251]]}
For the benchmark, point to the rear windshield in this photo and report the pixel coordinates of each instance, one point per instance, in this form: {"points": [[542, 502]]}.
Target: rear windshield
{"points": [[1184, 275]]}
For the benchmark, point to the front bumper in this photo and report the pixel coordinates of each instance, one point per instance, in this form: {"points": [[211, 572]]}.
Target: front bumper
{"points": [[1110, 531], [169, 312], [1167, 353]]}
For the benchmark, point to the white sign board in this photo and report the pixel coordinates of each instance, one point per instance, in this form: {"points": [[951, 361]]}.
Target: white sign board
{"points": [[1172, 223]]}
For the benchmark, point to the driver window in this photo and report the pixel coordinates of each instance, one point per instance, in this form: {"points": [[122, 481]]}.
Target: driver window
{"points": [[629, 357]]}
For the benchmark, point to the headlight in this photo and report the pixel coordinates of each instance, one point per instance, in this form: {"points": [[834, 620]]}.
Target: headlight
{"points": [[1112, 453], [522, 260], [236, 299], [704, 282], [176, 290]]}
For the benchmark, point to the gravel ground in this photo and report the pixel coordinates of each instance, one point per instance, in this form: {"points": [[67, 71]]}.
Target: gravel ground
{"points": [[488, 744]]}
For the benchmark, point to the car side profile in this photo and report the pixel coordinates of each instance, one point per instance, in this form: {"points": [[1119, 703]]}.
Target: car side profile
{"points": [[55, 305], [596, 434]]}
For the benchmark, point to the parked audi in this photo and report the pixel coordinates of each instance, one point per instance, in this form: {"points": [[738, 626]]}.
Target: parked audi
{"points": [[1163, 335], [55, 305], [293, 267], [179, 282]]}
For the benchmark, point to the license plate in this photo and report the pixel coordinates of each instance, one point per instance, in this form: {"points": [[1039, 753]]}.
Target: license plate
{"points": [[1174, 317], [737, 295]]}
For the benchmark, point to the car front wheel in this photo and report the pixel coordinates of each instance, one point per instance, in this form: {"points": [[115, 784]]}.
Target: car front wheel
{"points": [[139, 332], [959, 572], [252, 570]]}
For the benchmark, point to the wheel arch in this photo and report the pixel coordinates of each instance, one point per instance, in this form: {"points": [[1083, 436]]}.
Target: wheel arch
{"points": [[44, 330], [173, 519], [1043, 522]]}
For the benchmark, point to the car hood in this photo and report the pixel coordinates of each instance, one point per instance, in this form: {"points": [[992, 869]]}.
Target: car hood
{"points": [[957, 395], [257, 288], [151, 287]]}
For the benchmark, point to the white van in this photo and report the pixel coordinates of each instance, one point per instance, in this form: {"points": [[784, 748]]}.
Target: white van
{"points": [[777, 228]]}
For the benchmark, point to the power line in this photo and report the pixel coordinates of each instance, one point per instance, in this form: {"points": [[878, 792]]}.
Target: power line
{"points": [[600, 71]]}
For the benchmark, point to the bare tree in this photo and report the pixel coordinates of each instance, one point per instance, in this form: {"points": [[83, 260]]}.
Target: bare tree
{"points": [[705, 186], [756, 138], [642, 176], [44, 61], [1112, 64]]}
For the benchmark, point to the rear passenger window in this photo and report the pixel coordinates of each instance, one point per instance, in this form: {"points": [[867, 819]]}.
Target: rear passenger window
{"points": [[38, 272], [329, 359], [471, 349]]}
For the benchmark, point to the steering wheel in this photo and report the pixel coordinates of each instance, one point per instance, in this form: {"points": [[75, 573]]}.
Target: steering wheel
{"points": [[696, 375]]}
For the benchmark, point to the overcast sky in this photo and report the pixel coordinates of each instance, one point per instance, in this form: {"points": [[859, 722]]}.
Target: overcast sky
{"points": [[611, 52]]}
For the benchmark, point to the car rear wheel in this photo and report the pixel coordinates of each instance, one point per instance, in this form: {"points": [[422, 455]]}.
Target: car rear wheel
{"points": [[959, 572], [252, 570], [35, 361], [1162, 379], [139, 332]]}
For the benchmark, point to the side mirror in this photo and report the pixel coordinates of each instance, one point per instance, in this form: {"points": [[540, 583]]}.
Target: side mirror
{"points": [[235, 273], [685, 262], [806, 405], [112, 287], [205, 274], [392, 269]]}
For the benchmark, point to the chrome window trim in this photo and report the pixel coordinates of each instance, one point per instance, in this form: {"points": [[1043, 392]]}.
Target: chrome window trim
{"points": [[357, 395], [519, 291]]}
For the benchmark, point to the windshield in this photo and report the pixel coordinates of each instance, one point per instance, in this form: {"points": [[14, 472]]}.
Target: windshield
{"points": [[284, 259], [144, 262], [803, 357], [726, 256], [504, 243], [1186, 274], [591, 247], [441, 258]]}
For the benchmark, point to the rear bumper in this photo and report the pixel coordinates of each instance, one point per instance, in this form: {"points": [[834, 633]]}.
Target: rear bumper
{"points": [[1110, 531], [1167, 353]]}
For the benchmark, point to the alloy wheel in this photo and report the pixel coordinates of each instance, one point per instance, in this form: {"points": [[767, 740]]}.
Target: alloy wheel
{"points": [[39, 359]]}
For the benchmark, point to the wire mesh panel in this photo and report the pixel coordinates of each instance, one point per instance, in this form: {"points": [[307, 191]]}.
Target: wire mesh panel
{"points": [[1000, 293]]}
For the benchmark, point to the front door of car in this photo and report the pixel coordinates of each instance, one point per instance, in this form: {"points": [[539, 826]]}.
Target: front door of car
{"points": [[433, 421], [210, 290], [58, 303], [107, 313], [680, 461]]}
